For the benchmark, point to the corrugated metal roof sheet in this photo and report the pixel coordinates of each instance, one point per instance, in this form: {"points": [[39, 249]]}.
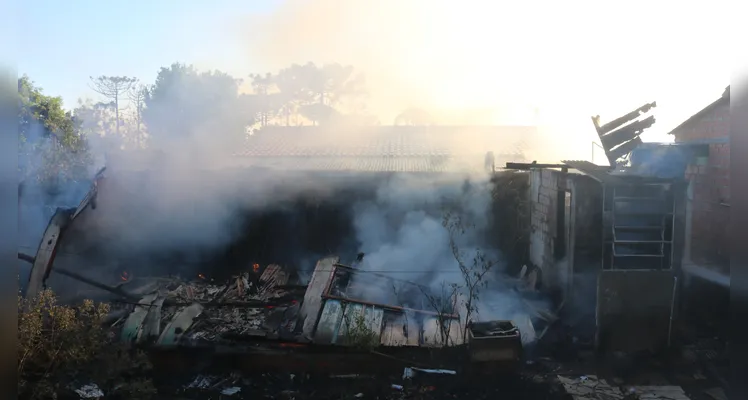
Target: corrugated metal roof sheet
{"points": [[600, 173], [584, 165]]}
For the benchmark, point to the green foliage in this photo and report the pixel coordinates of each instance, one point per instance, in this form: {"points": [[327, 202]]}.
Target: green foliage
{"points": [[98, 123], [444, 303], [96, 119], [318, 94], [185, 102], [358, 333], [52, 151], [113, 87], [61, 346], [474, 266]]}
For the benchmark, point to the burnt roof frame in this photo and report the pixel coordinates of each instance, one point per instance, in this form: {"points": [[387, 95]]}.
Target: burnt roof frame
{"points": [[628, 128]]}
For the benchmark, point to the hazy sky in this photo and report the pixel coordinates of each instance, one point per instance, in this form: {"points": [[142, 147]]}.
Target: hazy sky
{"points": [[568, 60]]}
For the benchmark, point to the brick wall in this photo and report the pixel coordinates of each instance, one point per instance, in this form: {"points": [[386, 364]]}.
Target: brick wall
{"points": [[710, 187], [711, 125], [710, 213]]}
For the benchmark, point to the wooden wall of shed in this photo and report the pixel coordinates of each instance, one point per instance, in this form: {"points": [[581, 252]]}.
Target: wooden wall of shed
{"points": [[587, 198], [510, 210]]}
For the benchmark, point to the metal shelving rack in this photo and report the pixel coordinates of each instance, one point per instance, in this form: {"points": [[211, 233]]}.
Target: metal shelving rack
{"points": [[639, 231]]}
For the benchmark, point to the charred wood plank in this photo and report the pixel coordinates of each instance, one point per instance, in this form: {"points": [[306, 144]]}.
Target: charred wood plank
{"points": [[624, 149], [602, 130], [533, 165], [628, 132], [390, 307]]}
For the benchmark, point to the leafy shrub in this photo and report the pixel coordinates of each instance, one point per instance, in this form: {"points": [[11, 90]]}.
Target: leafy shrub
{"points": [[359, 334], [61, 347]]}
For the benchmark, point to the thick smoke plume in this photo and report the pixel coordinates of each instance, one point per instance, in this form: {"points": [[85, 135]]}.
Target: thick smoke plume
{"points": [[176, 218], [402, 234], [186, 207]]}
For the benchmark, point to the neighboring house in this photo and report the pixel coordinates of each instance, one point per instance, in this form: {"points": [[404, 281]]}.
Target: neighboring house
{"points": [[386, 148], [708, 206], [371, 149]]}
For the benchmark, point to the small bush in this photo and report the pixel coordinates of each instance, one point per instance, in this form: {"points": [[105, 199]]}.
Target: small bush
{"points": [[61, 348], [359, 334]]}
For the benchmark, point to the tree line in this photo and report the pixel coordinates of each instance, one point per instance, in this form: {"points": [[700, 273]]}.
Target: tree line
{"points": [[55, 143]]}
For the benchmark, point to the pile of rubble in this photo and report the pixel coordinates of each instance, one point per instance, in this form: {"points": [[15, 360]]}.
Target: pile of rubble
{"points": [[238, 308], [250, 304], [241, 288]]}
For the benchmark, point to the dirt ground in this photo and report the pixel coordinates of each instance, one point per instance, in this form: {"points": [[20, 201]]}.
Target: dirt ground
{"points": [[367, 387], [688, 366]]}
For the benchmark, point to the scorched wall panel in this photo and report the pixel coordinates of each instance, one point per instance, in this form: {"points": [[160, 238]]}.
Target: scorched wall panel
{"points": [[634, 309]]}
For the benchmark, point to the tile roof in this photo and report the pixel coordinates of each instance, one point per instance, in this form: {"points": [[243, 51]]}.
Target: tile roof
{"points": [[390, 148]]}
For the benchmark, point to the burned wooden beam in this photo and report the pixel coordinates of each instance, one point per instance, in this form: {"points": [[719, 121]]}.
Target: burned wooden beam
{"points": [[26, 257], [45, 255], [70, 274], [621, 136], [391, 307], [602, 130], [534, 165], [628, 132], [111, 289], [624, 149]]}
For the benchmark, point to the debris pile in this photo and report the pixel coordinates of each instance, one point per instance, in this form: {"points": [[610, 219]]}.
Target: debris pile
{"points": [[245, 287], [193, 312], [591, 387]]}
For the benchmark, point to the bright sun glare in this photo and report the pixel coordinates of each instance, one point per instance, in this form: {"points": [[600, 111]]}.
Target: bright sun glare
{"points": [[533, 62]]}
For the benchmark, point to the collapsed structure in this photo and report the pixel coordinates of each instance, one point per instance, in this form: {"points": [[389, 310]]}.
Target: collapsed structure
{"points": [[265, 312], [268, 304], [259, 309]]}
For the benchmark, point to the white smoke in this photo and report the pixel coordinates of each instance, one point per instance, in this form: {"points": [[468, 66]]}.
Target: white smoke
{"points": [[402, 235]]}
